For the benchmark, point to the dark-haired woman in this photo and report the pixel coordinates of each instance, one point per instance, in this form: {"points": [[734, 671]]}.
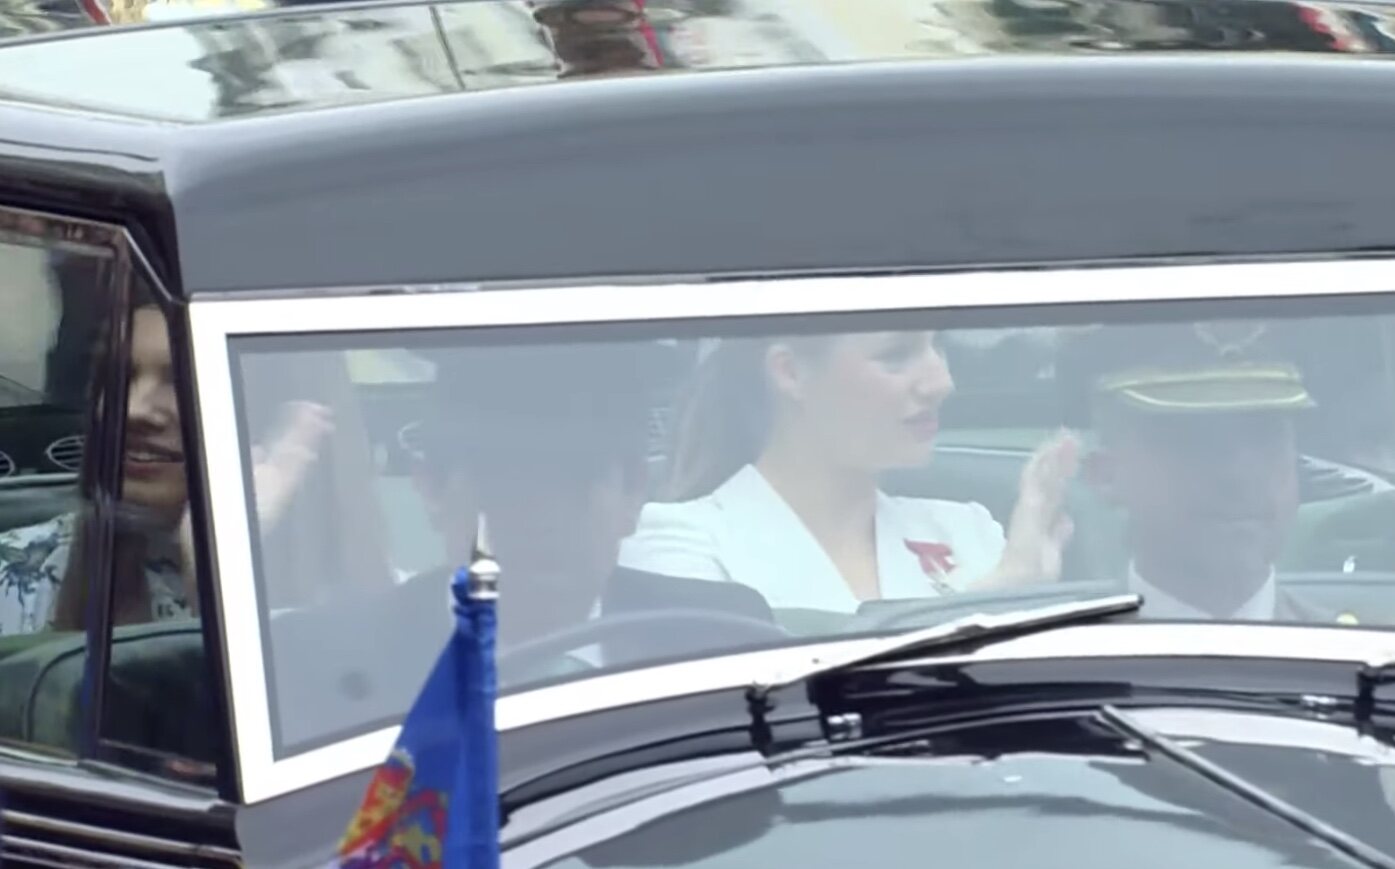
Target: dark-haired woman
{"points": [[45, 568]]}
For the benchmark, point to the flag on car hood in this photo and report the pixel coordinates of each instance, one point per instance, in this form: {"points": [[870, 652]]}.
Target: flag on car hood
{"points": [[434, 802]]}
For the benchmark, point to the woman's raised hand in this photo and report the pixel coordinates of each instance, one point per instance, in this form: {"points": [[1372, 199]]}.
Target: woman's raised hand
{"points": [[1040, 528], [279, 467]]}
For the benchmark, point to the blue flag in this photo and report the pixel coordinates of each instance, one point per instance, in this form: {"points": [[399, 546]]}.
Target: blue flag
{"points": [[434, 803]]}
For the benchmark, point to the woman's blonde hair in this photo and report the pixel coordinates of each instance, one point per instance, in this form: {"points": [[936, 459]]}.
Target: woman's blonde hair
{"points": [[725, 415]]}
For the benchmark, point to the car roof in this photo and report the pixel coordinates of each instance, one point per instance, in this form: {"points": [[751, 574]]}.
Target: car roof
{"points": [[1051, 143], [170, 61]]}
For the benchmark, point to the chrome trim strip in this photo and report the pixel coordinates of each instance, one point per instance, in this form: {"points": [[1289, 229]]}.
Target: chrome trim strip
{"points": [[258, 775], [62, 778], [21, 848], [468, 306], [119, 838], [213, 321], [1252, 728], [54, 231]]}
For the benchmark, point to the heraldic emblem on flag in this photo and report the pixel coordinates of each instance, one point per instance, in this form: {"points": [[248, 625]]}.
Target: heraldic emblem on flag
{"points": [[434, 803]]}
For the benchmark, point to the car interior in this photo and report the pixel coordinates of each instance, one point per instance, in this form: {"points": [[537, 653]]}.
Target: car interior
{"points": [[1343, 520], [979, 459], [157, 683]]}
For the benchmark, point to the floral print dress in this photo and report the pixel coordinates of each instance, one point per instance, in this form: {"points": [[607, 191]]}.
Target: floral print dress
{"points": [[32, 561]]}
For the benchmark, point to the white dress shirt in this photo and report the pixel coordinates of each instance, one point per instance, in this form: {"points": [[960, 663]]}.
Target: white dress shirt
{"points": [[745, 532], [1262, 606]]}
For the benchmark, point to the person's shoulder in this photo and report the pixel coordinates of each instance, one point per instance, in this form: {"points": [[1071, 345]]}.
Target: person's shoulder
{"points": [[936, 511], [953, 520], [32, 540], [32, 560], [678, 538], [690, 525], [702, 512]]}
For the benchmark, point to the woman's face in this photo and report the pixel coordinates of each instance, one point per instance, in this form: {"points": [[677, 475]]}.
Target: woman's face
{"points": [[869, 401], [153, 472]]}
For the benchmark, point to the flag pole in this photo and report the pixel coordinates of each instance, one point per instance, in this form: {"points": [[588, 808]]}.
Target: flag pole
{"points": [[475, 845], [484, 570], [434, 802]]}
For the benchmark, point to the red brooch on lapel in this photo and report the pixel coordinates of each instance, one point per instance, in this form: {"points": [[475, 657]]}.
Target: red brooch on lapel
{"points": [[936, 559]]}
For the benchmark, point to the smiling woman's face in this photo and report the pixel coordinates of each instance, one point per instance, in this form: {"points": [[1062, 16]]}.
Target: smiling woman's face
{"points": [[153, 471]]}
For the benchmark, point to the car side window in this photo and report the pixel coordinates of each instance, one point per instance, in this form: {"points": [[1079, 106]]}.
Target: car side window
{"points": [[56, 295], [157, 702]]}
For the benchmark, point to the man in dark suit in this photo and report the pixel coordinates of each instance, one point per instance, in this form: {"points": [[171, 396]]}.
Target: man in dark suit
{"points": [[1196, 447], [553, 445], [550, 444]]}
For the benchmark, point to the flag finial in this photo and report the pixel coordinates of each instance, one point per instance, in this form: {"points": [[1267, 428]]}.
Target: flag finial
{"points": [[484, 570]]}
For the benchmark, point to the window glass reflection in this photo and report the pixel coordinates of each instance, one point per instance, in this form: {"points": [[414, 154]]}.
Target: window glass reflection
{"points": [[54, 339], [151, 581], [663, 493], [158, 697]]}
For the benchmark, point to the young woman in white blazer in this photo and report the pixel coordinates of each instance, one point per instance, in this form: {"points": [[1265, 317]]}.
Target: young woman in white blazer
{"points": [[775, 480]]}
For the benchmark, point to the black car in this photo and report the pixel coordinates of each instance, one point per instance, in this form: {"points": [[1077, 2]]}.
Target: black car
{"points": [[954, 431]]}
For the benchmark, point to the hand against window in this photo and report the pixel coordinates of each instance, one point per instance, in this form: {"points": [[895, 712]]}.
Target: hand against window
{"points": [[279, 468], [1040, 529]]}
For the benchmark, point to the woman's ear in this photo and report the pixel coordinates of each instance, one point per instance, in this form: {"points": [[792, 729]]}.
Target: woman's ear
{"points": [[785, 373]]}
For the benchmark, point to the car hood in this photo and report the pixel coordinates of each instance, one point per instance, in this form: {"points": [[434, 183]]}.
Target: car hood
{"points": [[1061, 792]]}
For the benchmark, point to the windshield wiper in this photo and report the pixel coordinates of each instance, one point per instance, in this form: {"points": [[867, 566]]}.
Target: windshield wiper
{"points": [[1247, 790], [960, 632]]}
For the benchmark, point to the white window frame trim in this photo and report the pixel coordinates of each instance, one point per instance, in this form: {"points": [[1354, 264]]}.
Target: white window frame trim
{"points": [[213, 322]]}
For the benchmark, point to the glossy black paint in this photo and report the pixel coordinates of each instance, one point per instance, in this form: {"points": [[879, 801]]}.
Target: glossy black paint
{"points": [[909, 165], [301, 828], [536, 762], [93, 168], [1127, 151], [1001, 709], [110, 813], [1066, 790]]}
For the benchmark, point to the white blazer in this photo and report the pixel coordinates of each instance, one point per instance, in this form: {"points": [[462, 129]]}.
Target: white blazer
{"points": [[745, 532]]}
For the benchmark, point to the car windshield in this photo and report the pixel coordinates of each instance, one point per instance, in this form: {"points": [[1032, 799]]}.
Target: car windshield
{"points": [[657, 490]]}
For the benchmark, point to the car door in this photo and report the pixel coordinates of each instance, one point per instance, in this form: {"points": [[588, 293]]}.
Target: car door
{"points": [[91, 765]]}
